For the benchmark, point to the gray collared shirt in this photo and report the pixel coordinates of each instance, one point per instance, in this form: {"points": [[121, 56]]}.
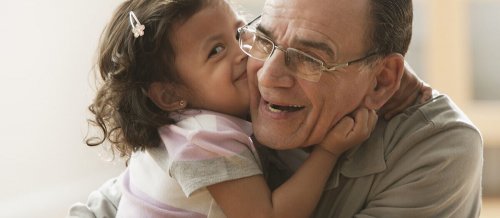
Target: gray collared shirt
{"points": [[425, 162]]}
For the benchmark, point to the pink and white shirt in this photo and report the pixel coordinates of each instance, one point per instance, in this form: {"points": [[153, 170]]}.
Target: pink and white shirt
{"points": [[203, 148]]}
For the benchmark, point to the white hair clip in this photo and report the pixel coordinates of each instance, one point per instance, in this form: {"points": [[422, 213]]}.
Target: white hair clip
{"points": [[137, 28]]}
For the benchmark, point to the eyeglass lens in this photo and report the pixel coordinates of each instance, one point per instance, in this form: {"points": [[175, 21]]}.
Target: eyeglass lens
{"points": [[261, 48], [255, 46]]}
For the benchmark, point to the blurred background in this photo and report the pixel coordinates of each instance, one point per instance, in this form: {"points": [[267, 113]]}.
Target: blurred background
{"points": [[47, 50]]}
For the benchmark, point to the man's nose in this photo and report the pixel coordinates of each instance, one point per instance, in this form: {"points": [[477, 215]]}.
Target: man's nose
{"points": [[275, 73]]}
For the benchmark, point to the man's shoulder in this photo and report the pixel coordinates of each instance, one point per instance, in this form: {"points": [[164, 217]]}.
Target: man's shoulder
{"points": [[435, 127], [437, 114], [437, 118], [431, 149], [441, 111]]}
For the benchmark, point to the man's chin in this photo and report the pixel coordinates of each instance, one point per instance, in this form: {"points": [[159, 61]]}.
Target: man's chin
{"points": [[275, 141]]}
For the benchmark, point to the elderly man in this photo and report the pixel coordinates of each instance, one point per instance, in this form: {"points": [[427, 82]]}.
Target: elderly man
{"points": [[314, 62]]}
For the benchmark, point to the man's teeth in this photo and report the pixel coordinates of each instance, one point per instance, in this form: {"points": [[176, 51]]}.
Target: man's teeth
{"points": [[272, 109], [279, 108]]}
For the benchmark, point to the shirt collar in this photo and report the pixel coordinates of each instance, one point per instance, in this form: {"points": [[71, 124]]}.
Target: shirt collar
{"points": [[365, 159]]}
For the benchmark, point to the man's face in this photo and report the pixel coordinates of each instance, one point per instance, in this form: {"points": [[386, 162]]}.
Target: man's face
{"points": [[287, 111]]}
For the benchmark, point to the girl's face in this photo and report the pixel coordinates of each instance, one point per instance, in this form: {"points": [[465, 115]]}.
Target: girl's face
{"points": [[210, 62]]}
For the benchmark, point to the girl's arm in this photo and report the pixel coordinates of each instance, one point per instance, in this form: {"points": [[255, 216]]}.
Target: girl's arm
{"points": [[298, 196], [411, 89]]}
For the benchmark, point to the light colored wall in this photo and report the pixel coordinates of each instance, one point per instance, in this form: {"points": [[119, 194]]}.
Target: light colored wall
{"points": [[46, 53]]}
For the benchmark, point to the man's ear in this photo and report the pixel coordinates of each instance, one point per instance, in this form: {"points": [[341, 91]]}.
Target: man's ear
{"points": [[388, 78], [165, 96]]}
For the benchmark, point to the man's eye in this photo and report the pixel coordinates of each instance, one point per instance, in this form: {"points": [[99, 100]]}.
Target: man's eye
{"points": [[263, 45], [300, 58], [216, 50]]}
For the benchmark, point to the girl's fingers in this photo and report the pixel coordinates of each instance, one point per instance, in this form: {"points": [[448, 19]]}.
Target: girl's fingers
{"points": [[361, 118], [373, 120], [408, 101], [344, 126], [426, 93]]}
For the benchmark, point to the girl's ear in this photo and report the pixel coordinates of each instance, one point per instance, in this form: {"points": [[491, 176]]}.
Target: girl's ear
{"points": [[165, 97], [387, 81]]}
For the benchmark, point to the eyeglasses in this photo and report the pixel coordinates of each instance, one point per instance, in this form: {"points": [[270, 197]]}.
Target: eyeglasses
{"points": [[258, 46]]}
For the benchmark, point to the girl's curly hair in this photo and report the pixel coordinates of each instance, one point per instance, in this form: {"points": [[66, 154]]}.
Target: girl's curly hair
{"points": [[127, 66]]}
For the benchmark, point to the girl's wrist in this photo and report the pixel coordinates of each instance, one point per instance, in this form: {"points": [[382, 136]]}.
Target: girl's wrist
{"points": [[332, 154]]}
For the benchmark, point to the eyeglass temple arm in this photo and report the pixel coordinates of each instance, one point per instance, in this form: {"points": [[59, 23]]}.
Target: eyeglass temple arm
{"points": [[335, 66], [255, 19]]}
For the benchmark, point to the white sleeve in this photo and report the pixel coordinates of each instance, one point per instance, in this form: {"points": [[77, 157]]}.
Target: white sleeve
{"points": [[101, 203]]}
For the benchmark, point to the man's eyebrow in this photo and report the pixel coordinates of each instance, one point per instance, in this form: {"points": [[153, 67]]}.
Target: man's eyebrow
{"points": [[306, 43], [264, 31], [317, 45]]}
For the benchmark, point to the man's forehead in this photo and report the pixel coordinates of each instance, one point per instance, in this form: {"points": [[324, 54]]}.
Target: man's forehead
{"points": [[331, 22], [303, 40], [287, 24], [323, 13]]}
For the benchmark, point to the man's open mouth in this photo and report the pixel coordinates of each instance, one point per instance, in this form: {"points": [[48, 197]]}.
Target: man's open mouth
{"points": [[283, 108]]}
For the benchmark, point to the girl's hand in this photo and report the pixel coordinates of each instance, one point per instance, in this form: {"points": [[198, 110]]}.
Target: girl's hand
{"points": [[410, 89], [349, 131]]}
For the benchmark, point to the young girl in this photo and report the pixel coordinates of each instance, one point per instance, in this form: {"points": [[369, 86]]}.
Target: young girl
{"points": [[174, 99]]}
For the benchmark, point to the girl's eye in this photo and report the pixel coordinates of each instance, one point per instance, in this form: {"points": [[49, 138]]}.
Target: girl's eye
{"points": [[216, 50]]}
